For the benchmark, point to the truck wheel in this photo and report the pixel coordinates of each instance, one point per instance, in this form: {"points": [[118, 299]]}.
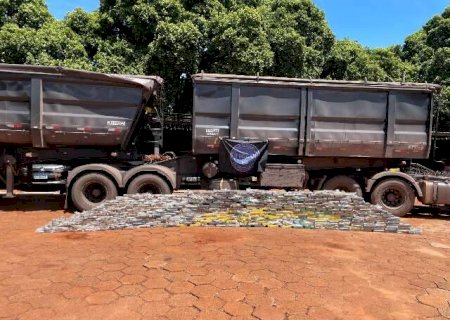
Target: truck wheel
{"points": [[148, 183], [92, 189], [395, 196], [343, 183]]}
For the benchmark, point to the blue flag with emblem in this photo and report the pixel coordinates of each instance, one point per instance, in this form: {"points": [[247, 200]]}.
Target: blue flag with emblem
{"points": [[242, 157]]}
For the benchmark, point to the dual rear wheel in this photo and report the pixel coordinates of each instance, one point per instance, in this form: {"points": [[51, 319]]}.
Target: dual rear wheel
{"points": [[93, 189], [393, 195]]}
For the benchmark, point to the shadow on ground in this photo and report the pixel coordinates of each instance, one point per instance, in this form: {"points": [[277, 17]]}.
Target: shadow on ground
{"points": [[424, 212], [33, 202]]}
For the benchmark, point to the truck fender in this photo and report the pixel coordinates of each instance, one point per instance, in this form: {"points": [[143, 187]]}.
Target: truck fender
{"points": [[115, 173], [399, 175], [162, 171]]}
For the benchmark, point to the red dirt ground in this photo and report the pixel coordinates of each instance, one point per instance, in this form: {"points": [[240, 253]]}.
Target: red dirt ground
{"points": [[194, 273]]}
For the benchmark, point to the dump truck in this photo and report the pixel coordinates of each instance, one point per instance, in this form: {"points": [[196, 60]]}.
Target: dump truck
{"points": [[85, 122], [371, 138]]}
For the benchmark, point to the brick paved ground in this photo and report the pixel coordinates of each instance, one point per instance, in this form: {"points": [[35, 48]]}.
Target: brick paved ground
{"points": [[194, 273]]}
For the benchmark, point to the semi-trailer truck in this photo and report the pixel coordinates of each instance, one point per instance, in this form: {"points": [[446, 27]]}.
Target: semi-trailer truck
{"points": [[106, 132]]}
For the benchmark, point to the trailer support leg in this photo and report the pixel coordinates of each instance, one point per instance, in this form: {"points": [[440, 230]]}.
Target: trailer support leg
{"points": [[9, 181]]}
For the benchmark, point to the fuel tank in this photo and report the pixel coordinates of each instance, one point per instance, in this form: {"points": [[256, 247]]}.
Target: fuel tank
{"points": [[435, 191]]}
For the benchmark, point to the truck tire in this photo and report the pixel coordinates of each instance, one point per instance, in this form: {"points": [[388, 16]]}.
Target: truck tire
{"points": [[395, 196], [148, 183], [343, 183], [92, 189]]}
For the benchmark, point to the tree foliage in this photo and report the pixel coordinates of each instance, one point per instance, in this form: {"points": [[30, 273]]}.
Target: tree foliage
{"points": [[237, 43], [54, 43], [429, 51], [24, 13], [299, 37], [176, 38], [349, 60], [174, 54]]}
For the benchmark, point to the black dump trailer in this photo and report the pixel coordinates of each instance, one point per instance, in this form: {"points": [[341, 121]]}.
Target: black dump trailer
{"points": [[92, 124], [355, 136], [247, 131], [314, 119]]}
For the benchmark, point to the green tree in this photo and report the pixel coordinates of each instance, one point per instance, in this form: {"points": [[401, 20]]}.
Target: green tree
{"points": [[24, 13], [416, 50], [54, 43], [348, 60], [117, 57], [174, 54], [87, 26], [429, 50], [237, 43], [395, 68], [438, 30], [235, 4], [204, 8], [299, 36], [136, 21]]}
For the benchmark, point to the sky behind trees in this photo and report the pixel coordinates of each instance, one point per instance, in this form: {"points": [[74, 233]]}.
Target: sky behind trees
{"points": [[373, 23], [379, 23]]}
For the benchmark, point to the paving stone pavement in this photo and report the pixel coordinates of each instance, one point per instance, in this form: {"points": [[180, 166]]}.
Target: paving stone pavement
{"points": [[221, 273], [251, 208]]}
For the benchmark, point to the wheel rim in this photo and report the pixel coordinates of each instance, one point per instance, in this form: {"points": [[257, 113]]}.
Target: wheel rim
{"points": [[393, 198], [95, 192], [342, 188]]}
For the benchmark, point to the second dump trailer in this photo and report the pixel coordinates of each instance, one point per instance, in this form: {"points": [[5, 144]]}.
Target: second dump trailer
{"points": [[319, 134]]}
